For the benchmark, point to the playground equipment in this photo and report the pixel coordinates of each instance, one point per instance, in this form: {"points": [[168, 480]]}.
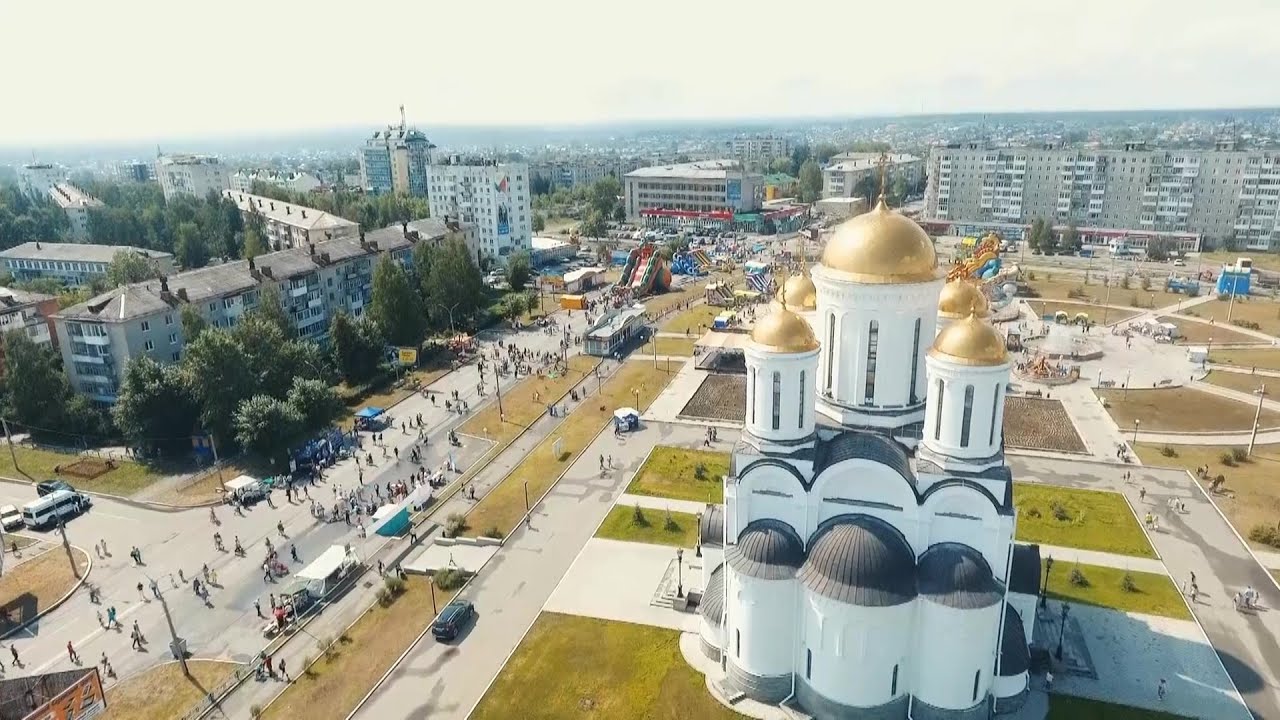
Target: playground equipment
{"points": [[760, 282], [1187, 286], [720, 294], [1040, 369], [645, 272], [687, 263], [984, 264]]}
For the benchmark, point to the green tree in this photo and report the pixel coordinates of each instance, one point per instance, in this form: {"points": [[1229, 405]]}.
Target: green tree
{"points": [[190, 248], [219, 379], [780, 166], [1070, 241], [603, 194], [253, 243], [594, 225], [395, 304], [539, 222], [620, 213], [193, 323], [810, 181], [36, 390], [129, 267], [1035, 235], [867, 188], [267, 427], [1159, 249], [316, 403], [518, 271], [270, 308], [357, 348], [822, 152], [898, 190], [454, 284], [154, 408], [1049, 241], [514, 305]]}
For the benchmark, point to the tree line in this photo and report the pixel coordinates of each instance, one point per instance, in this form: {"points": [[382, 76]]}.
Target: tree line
{"points": [[371, 211], [595, 204], [23, 219]]}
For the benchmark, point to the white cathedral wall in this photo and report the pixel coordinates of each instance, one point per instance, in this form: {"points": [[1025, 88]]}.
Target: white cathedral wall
{"points": [[768, 491], [855, 649], [844, 315], [1005, 687], [760, 623], [796, 399], [711, 559], [863, 487], [961, 644], [945, 435], [1026, 606], [963, 515], [712, 633]]}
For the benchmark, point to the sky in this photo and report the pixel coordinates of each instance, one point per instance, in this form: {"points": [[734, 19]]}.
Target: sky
{"points": [[88, 71]]}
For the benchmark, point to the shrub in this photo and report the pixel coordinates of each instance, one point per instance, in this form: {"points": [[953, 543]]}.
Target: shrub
{"points": [[451, 578], [1133, 301], [1059, 511], [1168, 451], [1031, 274], [1226, 458], [670, 523], [325, 644], [700, 471], [1124, 281], [1265, 534], [637, 516], [384, 596], [1078, 579], [393, 584], [1034, 512], [454, 524], [493, 532], [1127, 584], [255, 711], [1247, 324], [307, 660], [1145, 283], [1239, 454], [1077, 294]]}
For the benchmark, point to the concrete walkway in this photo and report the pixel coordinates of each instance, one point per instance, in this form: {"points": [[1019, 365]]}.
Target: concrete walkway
{"points": [[1105, 559], [660, 503], [1200, 541]]}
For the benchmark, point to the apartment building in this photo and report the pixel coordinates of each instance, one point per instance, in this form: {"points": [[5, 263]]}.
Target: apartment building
{"points": [[196, 175], [287, 225], [28, 312], [493, 197], [757, 150], [72, 263], [299, 182], [99, 337], [76, 204], [135, 171], [36, 180], [847, 172], [396, 161], [1220, 193], [575, 172], [707, 190]]}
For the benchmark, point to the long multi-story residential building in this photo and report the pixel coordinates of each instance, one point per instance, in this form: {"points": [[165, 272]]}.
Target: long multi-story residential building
{"points": [[36, 180], [287, 225], [849, 171], [72, 263], [76, 204], [494, 197], [709, 190], [28, 312], [196, 175], [755, 150], [299, 182], [586, 170], [396, 161], [1219, 193], [135, 171], [99, 337]]}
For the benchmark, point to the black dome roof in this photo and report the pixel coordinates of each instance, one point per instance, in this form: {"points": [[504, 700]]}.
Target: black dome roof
{"points": [[711, 527], [712, 605], [1015, 656], [860, 560], [958, 576], [767, 549]]}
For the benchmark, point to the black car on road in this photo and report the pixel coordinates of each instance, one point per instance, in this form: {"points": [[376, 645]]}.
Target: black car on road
{"points": [[452, 619]]}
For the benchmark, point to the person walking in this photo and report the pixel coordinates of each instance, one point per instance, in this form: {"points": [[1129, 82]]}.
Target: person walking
{"points": [[13, 650], [257, 607], [1161, 689], [270, 670], [284, 672], [71, 653]]}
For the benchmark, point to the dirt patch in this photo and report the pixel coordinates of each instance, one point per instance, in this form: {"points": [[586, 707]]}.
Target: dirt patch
{"points": [[86, 468], [162, 692], [36, 584], [1040, 424]]}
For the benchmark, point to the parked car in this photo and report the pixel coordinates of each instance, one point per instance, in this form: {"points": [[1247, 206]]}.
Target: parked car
{"points": [[49, 486], [452, 619], [10, 517]]}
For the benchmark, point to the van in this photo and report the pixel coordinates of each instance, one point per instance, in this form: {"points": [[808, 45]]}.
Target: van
{"points": [[59, 504]]}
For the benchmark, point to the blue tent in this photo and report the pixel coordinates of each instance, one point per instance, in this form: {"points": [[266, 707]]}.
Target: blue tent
{"points": [[370, 412]]}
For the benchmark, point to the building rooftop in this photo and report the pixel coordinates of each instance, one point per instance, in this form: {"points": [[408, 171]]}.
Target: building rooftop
{"points": [[185, 159], [75, 252], [12, 298], [298, 216], [612, 324], [867, 161], [66, 195], [701, 170]]}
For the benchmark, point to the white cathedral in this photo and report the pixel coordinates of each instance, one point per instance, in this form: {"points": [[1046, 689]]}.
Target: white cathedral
{"points": [[864, 567]]}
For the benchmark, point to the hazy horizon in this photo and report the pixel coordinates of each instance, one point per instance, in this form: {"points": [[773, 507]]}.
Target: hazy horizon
{"points": [[145, 70]]}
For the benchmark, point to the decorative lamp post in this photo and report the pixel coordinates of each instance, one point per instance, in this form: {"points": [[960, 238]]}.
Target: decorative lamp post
{"points": [[1062, 630], [1044, 591], [679, 572], [697, 548], [1136, 423]]}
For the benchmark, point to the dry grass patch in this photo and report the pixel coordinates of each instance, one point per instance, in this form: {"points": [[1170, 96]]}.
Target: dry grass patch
{"points": [[1040, 424], [163, 692], [526, 401], [1191, 332], [330, 689], [577, 667], [390, 393], [693, 321], [504, 506], [1182, 409], [1055, 286], [35, 465], [34, 586], [1242, 382], [1264, 358], [1264, 312], [1249, 497], [682, 474]]}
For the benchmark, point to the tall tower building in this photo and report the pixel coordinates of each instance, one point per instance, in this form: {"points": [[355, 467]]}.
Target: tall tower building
{"points": [[396, 161]]}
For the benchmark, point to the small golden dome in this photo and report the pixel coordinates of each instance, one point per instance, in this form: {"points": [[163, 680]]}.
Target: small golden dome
{"points": [[882, 247], [970, 341], [784, 331], [960, 298], [798, 293]]}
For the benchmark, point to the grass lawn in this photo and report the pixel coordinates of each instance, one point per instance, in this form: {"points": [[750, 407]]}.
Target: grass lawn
{"points": [[1180, 409], [335, 683], [504, 506], [1242, 382], [672, 472], [694, 321], [387, 395], [1263, 311], [1154, 594], [656, 305], [1065, 707], [652, 527], [33, 586], [1275, 574], [35, 464], [1061, 286], [577, 667], [1249, 497], [1265, 358], [163, 692], [519, 404], [1092, 520], [1096, 314], [670, 346], [1191, 332], [205, 487]]}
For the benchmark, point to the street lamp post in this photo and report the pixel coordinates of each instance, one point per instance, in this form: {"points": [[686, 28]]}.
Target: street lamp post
{"points": [[1062, 630], [679, 572], [177, 645], [1136, 423], [1044, 591], [449, 309], [1257, 415], [1127, 375], [434, 610]]}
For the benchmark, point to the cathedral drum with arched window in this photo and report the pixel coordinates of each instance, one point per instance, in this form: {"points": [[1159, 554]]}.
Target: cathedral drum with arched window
{"points": [[760, 609], [968, 373]]}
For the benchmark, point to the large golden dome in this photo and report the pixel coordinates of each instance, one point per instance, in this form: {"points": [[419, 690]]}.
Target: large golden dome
{"points": [[798, 293], [970, 341], [960, 298], [882, 247], [784, 331]]}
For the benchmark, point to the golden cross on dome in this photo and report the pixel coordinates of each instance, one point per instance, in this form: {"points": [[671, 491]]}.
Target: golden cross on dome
{"points": [[783, 294], [883, 162]]}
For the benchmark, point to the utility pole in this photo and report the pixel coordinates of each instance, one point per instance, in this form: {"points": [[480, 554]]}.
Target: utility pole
{"points": [[1253, 436], [177, 645], [8, 437], [497, 387], [66, 545], [213, 445]]}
